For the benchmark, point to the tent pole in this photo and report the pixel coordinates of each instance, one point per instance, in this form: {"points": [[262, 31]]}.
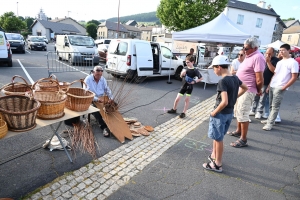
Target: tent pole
{"points": [[169, 81]]}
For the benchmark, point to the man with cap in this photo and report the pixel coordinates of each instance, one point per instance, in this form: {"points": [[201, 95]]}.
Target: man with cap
{"points": [[97, 83], [229, 88]]}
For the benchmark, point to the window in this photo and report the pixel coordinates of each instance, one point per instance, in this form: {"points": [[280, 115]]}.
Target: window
{"points": [[275, 27], [259, 22], [166, 52], [240, 19], [122, 48], [289, 37], [256, 36]]}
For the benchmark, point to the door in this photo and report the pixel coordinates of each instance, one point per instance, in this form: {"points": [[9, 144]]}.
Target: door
{"points": [[144, 59], [3, 46], [168, 65]]}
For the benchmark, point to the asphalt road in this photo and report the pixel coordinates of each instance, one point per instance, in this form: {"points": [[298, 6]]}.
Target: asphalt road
{"points": [[25, 166]]}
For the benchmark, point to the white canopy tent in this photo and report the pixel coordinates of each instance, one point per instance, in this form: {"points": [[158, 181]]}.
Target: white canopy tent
{"points": [[220, 30], [276, 45]]}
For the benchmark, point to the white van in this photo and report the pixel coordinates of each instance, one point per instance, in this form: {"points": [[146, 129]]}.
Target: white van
{"points": [[76, 49], [102, 41], [5, 51], [142, 58]]}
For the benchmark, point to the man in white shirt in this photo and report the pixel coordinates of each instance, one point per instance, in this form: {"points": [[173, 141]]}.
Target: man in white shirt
{"points": [[236, 62], [284, 76]]}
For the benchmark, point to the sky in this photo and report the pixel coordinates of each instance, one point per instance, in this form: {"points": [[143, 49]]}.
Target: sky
{"points": [[104, 9]]}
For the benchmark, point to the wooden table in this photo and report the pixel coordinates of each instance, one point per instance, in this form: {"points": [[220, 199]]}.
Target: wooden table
{"points": [[42, 123]]}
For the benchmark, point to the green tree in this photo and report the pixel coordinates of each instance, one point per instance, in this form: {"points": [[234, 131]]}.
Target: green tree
{"points": [[29, 22], [94, 21], [10, 23], [291, 18], [91, 29], [180, 15]]}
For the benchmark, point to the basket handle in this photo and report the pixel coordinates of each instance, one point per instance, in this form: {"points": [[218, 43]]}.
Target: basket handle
{"points": [[80, 80], [52, 76], [46, 79], [17, 76]]}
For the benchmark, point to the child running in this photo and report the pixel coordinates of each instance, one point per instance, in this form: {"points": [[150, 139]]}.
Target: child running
{"points": [[192, 76], [227, 93]]}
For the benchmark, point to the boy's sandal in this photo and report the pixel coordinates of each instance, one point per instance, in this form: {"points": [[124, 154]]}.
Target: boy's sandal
{"points": [[239, 143], [234, 134], [215, 167], [211, 159]]}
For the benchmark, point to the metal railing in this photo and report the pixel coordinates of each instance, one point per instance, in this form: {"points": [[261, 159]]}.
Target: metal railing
{"points": [[59, 62]]}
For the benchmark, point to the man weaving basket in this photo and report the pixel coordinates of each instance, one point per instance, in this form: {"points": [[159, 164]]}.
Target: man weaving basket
{"points": [[97, 83]]}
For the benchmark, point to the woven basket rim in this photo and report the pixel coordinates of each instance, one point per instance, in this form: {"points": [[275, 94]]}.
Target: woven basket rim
{"points": [[40, 92], [3, 111], [88, 91]]}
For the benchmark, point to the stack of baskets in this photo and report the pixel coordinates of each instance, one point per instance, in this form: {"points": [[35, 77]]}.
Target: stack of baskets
{"points": [[51, 97], [79, 99], [19, 112], [16, 88]]}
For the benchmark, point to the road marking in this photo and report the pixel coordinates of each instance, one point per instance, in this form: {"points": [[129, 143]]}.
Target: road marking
{"points": [[25, 71], [28, 51], [72, 67]]}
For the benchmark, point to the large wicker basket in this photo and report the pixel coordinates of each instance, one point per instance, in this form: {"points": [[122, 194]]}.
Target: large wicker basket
{"points": [[52, 104], [79, 99], [16, 88], [19, 112], [3, 129]]}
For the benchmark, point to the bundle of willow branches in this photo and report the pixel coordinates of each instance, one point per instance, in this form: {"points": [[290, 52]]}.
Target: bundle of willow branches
{"points": [[82, 139], [123, 93]]}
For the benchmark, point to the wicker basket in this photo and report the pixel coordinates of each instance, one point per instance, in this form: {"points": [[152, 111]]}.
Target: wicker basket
{"points": [[3, 129], [79, 99], [19, 112], [52, 104], [16, 88], [64, 86], [46, 84]]}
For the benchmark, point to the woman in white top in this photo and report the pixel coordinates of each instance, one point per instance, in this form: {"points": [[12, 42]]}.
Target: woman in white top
{"points": [[236, 62]]}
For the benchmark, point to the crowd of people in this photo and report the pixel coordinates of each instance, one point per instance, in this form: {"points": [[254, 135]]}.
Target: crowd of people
{"points": [[253, 84]]}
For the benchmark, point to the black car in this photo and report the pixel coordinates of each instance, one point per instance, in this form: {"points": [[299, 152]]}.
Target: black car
{"points": [[36, 43], [16, 41]]}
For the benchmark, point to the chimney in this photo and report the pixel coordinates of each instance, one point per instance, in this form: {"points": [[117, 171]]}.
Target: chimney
{"points": [[261, 4], [269, 6]]}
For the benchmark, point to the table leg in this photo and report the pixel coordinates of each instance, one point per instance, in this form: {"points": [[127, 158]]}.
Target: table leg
{"points": [[58, 136]]}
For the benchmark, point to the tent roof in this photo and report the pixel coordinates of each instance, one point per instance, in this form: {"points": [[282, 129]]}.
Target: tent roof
{"points": [[219, 30], [276, 45]]}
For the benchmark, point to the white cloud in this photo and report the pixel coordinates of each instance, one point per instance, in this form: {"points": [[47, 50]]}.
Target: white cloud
{"points": [[295, 7]]}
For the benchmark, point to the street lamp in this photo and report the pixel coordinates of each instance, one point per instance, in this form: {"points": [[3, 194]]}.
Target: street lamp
{"points": [[17, 10], [118, 19]]}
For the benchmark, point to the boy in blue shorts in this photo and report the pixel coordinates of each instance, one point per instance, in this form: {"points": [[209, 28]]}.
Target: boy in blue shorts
{"points": [[229, 89], [190, 73]]}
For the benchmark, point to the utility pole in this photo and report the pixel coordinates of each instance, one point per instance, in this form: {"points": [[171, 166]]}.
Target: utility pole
{"points": [[118, 19], [17, 10], [68, 13]]}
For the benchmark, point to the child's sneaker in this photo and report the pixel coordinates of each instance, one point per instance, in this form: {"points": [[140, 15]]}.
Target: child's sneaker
{"points": [[182, 115], [171, 111]]}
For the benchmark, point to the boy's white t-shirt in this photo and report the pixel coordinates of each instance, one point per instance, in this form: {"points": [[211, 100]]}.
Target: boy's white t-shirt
{"points": [[283, 72], [235, 64]]}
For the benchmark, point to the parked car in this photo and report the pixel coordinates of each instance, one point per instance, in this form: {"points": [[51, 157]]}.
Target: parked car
{"points": [[131, 57], [5, 51], [77, 49], [45, 39], [16, 41], [102, 50], [36, 43]]}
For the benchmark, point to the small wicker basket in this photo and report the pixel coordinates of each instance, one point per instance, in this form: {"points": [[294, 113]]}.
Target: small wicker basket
{"points": [[79, 99], [19, 112], [16, 88], [46, 84], [52, 104], [3, 129]]}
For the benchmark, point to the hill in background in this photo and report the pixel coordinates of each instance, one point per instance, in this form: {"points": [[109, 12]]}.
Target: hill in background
{"points": [[145, 18]]}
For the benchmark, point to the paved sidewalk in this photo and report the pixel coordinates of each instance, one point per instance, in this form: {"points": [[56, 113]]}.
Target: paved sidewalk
{"points": [[103, 176]]}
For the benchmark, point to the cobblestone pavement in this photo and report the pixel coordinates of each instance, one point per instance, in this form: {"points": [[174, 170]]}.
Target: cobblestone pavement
{"points": [[103, 176]]}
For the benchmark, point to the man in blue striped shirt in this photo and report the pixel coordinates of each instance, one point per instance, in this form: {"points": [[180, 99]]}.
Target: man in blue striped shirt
{"points": [[98, 84]]}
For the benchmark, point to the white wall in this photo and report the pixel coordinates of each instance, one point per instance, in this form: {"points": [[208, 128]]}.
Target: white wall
{"points": [[40, 28], [265, 33]]}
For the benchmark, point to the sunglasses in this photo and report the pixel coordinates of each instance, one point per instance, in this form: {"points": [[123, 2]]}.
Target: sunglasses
{"points": [[240, 54], [99, 70], [246, 49]]}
